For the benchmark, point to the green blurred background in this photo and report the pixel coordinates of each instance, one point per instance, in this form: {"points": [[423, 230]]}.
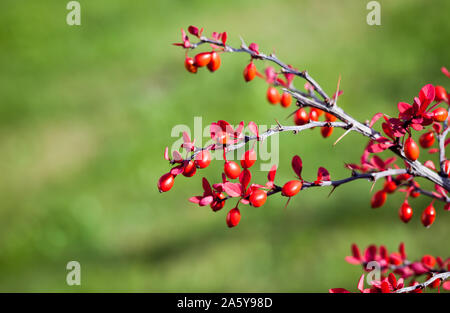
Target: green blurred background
{"points": [[86, 112]]}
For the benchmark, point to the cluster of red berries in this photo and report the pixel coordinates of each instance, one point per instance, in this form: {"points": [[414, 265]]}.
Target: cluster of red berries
{"points": [[398, 264], [253, 194], [422, 113], [415, 117], [405, 211]]}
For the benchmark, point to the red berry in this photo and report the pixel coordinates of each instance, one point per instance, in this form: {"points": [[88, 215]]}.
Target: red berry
{"points": [[435, 283], [291, 188], [273, 95], [189, 65], [428, 215], [233, 217], [214, 64], [203, 158], [248, 159], [232, 169], [411, 149], [405, 212], [217, 204], [202, 59], [326, 131], [390, 186], [440, 94], [440, 115], [165, 182], [330, 117], [319, 112], [427, 140], [258, 198], [249, 72], [314, 115], [190, 169], [428, 261], [378, 199], [446, 167], [301, 117], [286, 100], [395, 258]]}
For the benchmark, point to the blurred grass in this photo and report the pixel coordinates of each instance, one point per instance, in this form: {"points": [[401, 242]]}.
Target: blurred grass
{"points": [[86, 112]]}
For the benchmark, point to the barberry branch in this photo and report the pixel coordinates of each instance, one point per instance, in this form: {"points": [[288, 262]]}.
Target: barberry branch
{"points": [[396, 136], [442, 276], [330, 106]]}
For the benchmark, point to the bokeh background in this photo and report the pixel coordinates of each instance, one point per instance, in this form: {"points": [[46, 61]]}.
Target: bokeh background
{"points": [[86, 111]]}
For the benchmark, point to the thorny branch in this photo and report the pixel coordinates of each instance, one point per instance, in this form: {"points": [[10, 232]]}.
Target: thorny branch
{"points": [[347, 122], [441, 276]]}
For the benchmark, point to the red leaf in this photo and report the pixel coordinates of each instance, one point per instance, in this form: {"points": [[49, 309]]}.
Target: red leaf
{"points": [[322, 175], [271, 75], [352, 260], [401, 249], [370, 253], [177, 156], [206, 200], [426, 96], [224, 37], [177, 170], [430, 165], [253, 128], [272, 172], [195, 199], [440, 190], [297, 165], [361, 283], [437, 127], [445, 71], [232, 189], [375, 118], [403, 107], [166, 154], [206, 187], [338, 290], [239, 129], [244, 178]]}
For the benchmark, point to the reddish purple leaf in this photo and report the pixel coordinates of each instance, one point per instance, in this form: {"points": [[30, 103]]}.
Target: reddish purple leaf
{"points": [[361, 283], [403, 107], [445, 71], [375, 118], [338, 290], [224, 37], [244, 178], [166, 154], [322, 175], [206, 201], [233, 189], [206, 187], [297, 166], [177, 156], [440, 190], [272, 172], [195, 199], [177, 170], [253, 128], [352, 260]]}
